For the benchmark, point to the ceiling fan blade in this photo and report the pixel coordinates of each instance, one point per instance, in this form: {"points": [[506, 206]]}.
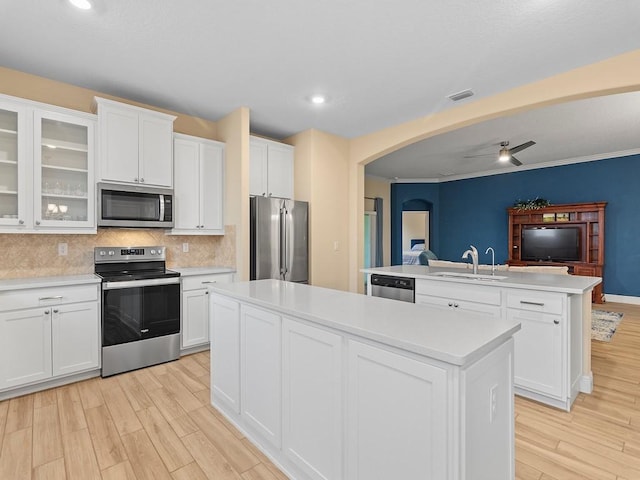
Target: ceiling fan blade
{"points": [[519, 148], [515, 161], [479, 155]]}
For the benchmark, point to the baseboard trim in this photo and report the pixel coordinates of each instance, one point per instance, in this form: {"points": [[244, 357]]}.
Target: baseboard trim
{"points": [[586, 383], [622, 299], [51, 383]]}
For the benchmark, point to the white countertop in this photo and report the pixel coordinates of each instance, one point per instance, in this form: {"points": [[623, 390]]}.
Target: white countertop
{"points": [[40, 282], [571, 284], [188, 271], [453, 337]]}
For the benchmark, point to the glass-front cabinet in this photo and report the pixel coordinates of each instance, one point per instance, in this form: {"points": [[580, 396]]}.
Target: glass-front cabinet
{"points": [[46, 169], [13, 156], [63, 171]]}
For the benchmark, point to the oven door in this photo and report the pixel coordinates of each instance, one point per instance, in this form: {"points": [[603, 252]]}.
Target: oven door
{"points": [[138, 309]]}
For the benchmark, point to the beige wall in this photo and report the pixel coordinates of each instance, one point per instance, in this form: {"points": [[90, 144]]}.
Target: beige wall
{"points": [[379, 187], [321, 178], [234, 131], [615, 75]]}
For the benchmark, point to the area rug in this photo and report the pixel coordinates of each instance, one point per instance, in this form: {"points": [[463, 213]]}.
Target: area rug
{"points": [[604, 324]]}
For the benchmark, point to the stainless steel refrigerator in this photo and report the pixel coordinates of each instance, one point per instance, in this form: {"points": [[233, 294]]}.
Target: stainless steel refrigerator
{"points": [[279, 239]]}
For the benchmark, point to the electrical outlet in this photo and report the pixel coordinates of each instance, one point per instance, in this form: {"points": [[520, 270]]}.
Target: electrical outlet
{"points": [[185, 247], [62, 249], [493, 401]]}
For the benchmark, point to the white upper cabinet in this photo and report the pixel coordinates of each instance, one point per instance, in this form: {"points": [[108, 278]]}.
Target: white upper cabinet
{"points": [[136, 144], [46, 169], [270, 168], [199, 186]]}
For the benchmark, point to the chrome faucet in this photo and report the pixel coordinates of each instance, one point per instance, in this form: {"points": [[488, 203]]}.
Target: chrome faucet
{"points": [[473, 251], [493, 260]]}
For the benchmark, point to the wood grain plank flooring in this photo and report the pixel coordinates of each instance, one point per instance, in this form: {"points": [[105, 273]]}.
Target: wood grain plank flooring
{"points": [[157, 424]]}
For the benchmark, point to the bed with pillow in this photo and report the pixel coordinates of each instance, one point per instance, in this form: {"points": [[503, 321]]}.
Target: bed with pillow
{"points": [[418, 255]]}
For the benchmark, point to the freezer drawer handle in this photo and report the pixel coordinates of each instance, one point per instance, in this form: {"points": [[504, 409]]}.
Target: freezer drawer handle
{"points": [[55, 297]]}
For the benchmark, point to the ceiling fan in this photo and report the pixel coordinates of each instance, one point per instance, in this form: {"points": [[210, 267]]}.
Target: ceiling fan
{"points": [[505, 154]]}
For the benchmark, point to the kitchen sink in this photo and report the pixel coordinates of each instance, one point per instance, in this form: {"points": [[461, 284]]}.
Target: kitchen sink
{"points": [[469, 276]]}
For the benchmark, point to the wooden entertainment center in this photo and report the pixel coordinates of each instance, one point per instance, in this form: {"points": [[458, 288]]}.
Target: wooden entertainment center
{"points": [[588, 217]]}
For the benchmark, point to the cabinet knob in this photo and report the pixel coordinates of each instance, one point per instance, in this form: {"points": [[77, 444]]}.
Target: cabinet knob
{"points": [[142, 180], [55, 310], [557, 322], [264, 194], [21, 222], [450, 304], [46, 312], [135, 179], [455, 305], [37, 222]]}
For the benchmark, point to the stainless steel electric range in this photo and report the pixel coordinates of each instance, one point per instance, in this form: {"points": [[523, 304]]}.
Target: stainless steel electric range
{"points": [[140, 308]]}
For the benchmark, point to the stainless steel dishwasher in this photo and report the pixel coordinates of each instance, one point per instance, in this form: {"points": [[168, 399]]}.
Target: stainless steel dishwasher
{"points": [[396, 288]]}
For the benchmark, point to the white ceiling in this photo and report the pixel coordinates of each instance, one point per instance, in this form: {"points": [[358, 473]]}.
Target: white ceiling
{"points": [[380, 62]]}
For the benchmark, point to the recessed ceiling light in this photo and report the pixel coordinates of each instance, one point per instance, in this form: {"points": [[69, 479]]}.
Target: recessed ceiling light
{"points": [[81, 4], [318, 99]]}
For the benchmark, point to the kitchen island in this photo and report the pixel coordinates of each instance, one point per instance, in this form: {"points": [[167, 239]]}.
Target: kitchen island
{"points": [[553, 348], [336, 385]]}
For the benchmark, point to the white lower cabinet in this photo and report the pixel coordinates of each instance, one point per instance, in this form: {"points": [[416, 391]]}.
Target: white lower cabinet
{"points": [[469, 298], [312, 399], [261, 372], [195, 308], [225, 350], [74, 338], [47, 333], [387, 390], [25, 340], [539, 361], [493, 311]]}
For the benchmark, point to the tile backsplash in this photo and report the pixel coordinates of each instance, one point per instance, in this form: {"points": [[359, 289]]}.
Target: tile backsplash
{"points": [[32, 255]]}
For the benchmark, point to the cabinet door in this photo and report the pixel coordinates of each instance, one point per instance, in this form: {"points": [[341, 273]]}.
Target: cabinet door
{"points": [[376, 447], [76, 338], [211, 188], [225, 353], [312, 399], [63, 171], [539, 363], [261, 372], [187, 184], [118, 144], [15, 186], [280, 171], [195, 318], [258, 168], [25, 346], [156, 151]]}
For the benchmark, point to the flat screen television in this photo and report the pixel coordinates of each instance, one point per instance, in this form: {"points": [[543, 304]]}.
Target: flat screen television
{"points": [[557, 244]]}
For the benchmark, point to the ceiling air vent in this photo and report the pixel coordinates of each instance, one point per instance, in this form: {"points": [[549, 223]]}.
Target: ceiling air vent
{"points": [[460, 95]]}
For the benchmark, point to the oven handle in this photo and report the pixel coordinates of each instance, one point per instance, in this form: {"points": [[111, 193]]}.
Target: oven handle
{"points": [[140, 283]]}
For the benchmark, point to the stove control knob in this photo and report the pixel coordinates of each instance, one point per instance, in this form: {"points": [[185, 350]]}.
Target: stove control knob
{"points": [[102, 253], [112, 253], [153, 252]]}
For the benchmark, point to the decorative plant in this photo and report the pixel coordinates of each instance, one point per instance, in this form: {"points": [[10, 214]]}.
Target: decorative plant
{"points": [[534, 204]]}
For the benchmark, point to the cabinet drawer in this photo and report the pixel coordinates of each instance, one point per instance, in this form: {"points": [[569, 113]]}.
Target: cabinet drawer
{"points": [[42, 297], [461, 291], [535, 301], [195, 282]]}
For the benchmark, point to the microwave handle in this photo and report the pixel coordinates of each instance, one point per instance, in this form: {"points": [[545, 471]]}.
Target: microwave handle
{"points": [[161, 208]]}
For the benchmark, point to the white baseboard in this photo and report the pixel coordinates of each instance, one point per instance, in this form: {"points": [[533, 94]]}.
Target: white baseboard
{"points": [[586, 383], [622, 299]]}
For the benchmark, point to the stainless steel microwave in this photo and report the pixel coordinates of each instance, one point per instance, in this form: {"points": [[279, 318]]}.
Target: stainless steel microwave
{"points": [[134, 206]]}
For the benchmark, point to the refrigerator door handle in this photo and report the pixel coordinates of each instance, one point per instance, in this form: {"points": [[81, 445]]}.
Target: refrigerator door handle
{"points": [[283, 243]]}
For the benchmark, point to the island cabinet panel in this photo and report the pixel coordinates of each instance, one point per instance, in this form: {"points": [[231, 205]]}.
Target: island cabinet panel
{"points": [[480, 299], [313, 393], [386, 390], [260, 373], [225, 351]]}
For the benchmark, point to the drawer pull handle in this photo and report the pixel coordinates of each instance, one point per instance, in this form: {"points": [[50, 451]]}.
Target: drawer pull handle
{"points": [[144, 330], [557, 322], [56, 297], [537, 304], [210, 281]]}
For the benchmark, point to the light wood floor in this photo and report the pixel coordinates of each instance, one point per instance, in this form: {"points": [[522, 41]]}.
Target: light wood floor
{"points": [[157, 424]]}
